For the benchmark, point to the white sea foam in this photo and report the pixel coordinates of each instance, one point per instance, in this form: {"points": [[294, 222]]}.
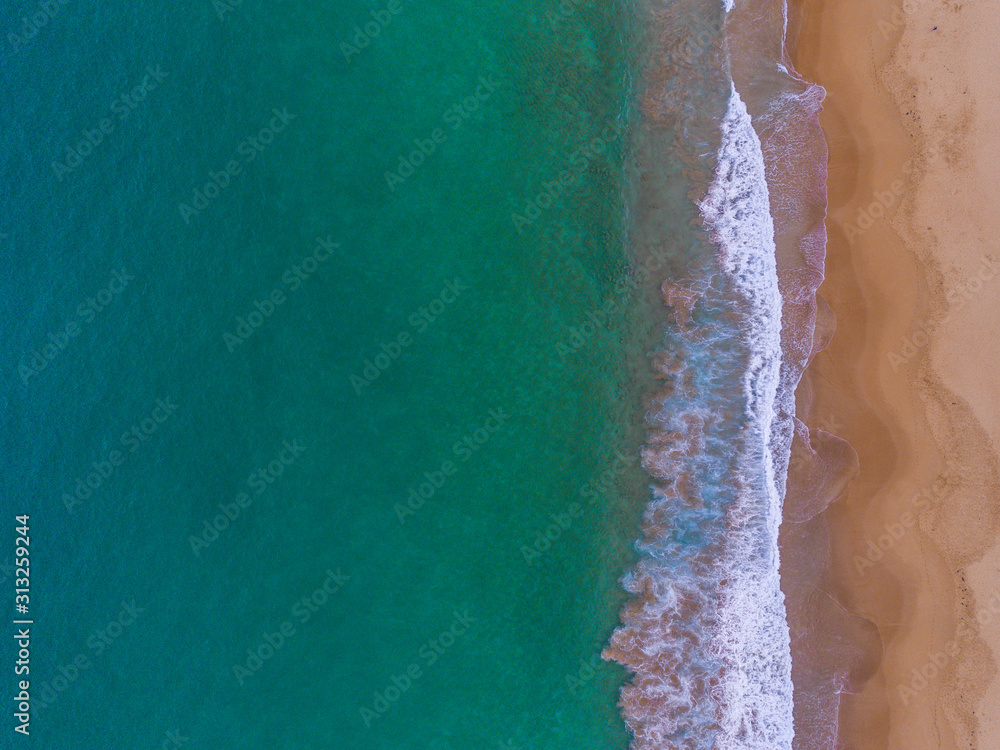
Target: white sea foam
{"points": [[706, 637], [751, 637]]}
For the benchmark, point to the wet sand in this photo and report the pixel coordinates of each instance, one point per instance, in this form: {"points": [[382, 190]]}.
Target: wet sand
{"points": [[911, 377]]}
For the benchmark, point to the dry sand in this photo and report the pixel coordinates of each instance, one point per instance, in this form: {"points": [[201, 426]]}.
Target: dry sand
{"points": [[912, 376]]}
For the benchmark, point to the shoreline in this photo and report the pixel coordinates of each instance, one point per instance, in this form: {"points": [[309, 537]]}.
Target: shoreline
{"points": [[907, 377]]}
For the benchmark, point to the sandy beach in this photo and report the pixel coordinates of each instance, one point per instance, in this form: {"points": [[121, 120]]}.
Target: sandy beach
{"points": [[910, 376]]}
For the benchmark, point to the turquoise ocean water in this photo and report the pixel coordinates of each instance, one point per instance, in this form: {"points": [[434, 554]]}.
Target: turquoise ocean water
{"points": [[243, 160], [392, 375]]}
